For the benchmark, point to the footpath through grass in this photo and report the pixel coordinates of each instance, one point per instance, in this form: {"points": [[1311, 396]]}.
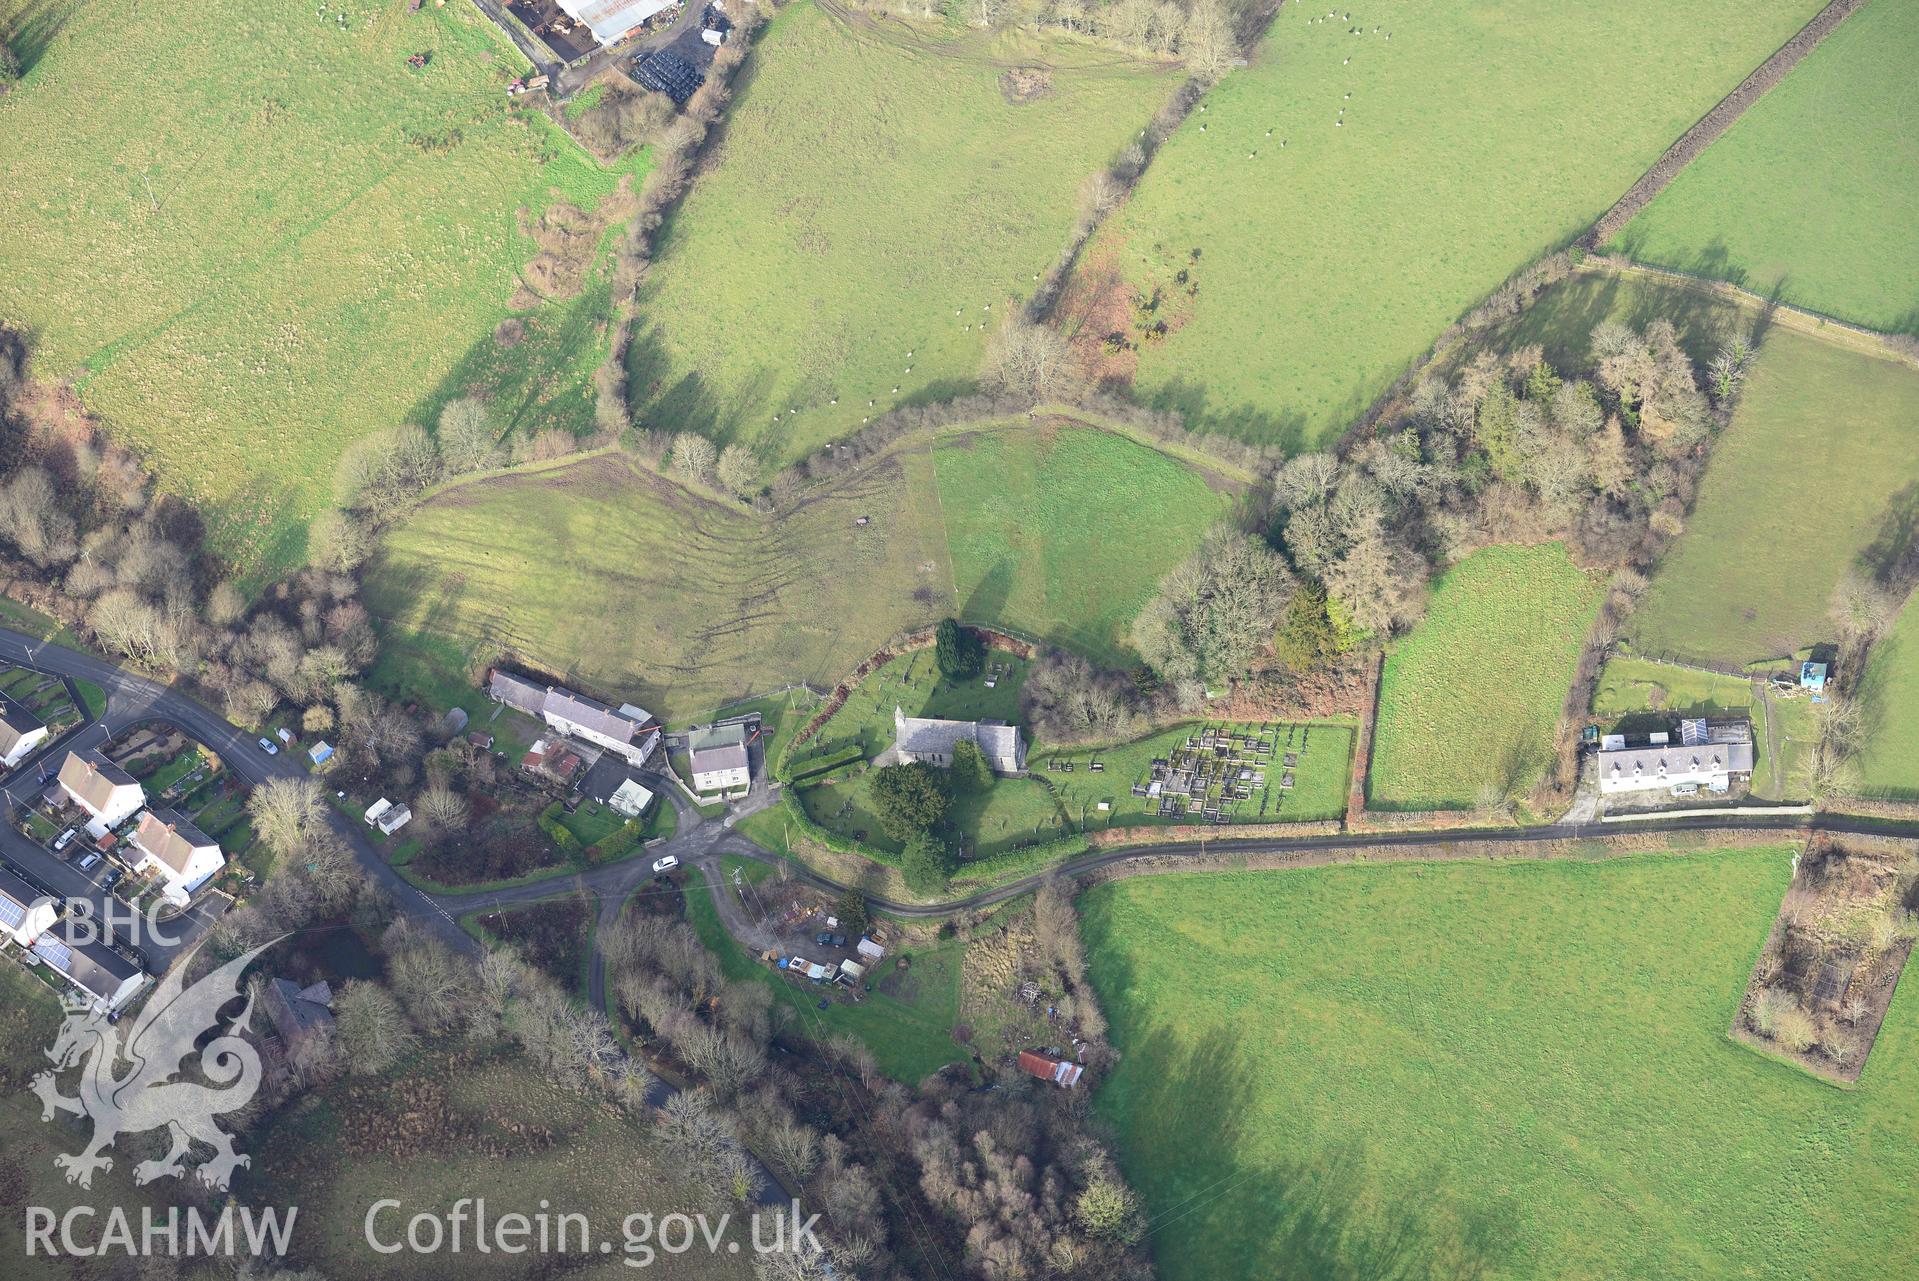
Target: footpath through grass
{"points": [[1501, 1072], [884, 196], [1063, 532], [1338, 235], [1811, 196], [1471, 696], [253, 234]]}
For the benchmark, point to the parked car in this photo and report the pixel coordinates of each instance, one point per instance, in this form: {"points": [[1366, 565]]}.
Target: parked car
{"points": [[665, 864], [266, 745], [111, 879], [87, 863], [65, 839], [826, 938]]}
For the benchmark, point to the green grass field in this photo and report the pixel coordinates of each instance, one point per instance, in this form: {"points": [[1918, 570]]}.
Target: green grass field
{"points": [[253, 237], [1471, 695], [1063, 533], [1819, 472], [1443, 1071], [1889, 766], [630, 586], [1834, 145], [1475, 138], [843, 253], [1639, 695]]}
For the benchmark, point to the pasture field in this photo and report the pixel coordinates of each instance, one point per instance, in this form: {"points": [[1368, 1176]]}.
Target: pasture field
{"points": [[251, 236], [1639, 695], [1328, 249], [1818, 474], [1889, 694], [865, 255], [1063, 533], [1447, 1070], [1471, 695], [1836, 144], [622, 582]]}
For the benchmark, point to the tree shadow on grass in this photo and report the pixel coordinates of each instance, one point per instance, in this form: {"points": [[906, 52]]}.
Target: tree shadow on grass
{"points": [[34, 29], [1892, 557], [1223, 1206]]}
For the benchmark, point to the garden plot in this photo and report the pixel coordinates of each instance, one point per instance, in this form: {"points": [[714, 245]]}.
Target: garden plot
{"points": [[1821, 987]]}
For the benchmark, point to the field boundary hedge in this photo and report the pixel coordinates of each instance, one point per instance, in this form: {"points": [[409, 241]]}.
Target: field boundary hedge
{"points": [[1704, 131]]}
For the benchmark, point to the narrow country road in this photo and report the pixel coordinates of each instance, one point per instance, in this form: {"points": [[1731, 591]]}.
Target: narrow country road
{"points": [[699, 842]]}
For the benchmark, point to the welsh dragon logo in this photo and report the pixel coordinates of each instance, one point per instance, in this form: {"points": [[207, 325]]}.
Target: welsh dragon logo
{"points": [[146, 1096]]}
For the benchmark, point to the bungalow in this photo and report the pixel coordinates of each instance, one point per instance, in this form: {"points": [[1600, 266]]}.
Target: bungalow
{"points": [[718, 759], [918, 738], [1709, 755], [181, 854], [107, 979], [1061, 1074], [105, 791], [25, 913], [20, 732]]}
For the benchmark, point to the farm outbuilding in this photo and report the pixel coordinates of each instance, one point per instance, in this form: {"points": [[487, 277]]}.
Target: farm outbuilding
{"points": [[611, 20], [1065, 1075]]}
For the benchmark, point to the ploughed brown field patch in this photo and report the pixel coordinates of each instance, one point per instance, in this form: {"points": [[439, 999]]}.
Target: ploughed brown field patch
{"points": [[1845, 930]]}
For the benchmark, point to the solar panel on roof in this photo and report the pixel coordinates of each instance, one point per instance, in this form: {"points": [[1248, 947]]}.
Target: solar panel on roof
{"points": [[11, 913], [55, 953]]}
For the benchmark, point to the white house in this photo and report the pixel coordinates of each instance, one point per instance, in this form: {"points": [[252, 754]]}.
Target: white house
{"points": [[718, 759], [1709, 755], [20, 733], [630, 798], [181, 854], [918, 738], [105, 791], [25, 913], [584, 718], [624, 732], [106, 978]]}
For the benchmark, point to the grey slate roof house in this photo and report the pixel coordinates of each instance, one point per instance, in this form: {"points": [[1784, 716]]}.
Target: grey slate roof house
{"points": [[919, 738]]}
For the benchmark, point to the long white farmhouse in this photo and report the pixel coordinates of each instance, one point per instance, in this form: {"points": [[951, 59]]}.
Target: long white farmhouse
{"points": [[1709, 755]]}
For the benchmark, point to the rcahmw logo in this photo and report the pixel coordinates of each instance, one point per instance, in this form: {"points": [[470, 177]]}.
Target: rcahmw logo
{"points": [[147, 1096]]}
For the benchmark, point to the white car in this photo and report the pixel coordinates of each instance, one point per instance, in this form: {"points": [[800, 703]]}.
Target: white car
{"points": [[266, 745], [65, 838], [87, 863], [665, 864]]}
